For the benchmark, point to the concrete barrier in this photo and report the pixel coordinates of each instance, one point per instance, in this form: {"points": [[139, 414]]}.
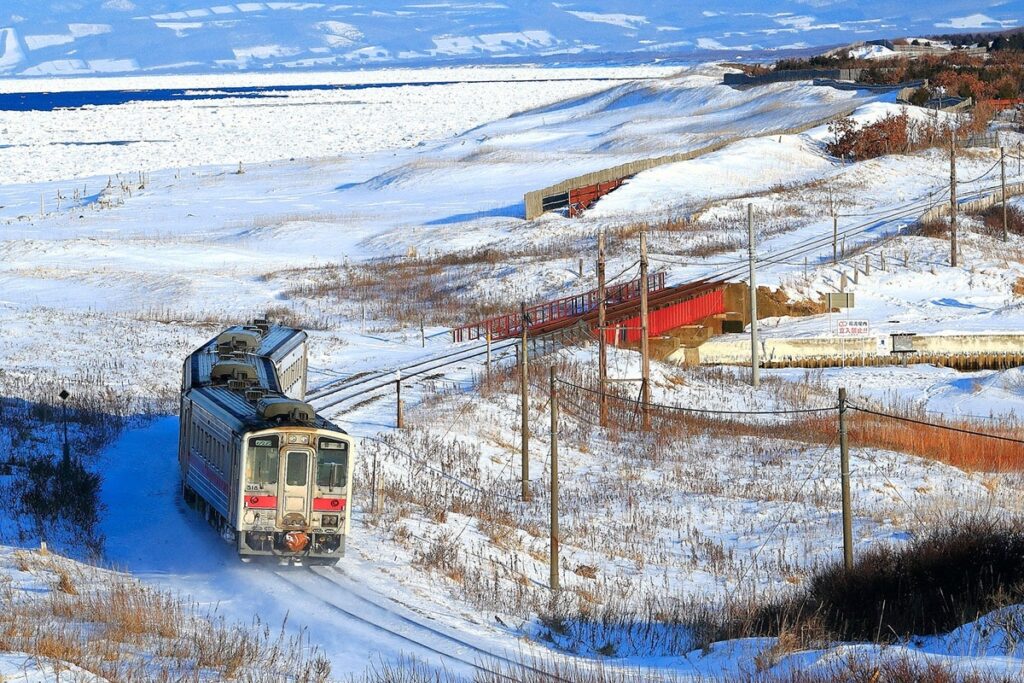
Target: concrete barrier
{"points": [[535, 200], [735, 349]]}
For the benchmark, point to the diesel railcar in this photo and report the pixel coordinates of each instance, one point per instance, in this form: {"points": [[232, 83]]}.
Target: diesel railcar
{"points": [[269, 473]]}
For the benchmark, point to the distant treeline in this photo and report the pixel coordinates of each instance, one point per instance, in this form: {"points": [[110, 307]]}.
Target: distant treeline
{"points": [[998, 75], [1012, 39]]}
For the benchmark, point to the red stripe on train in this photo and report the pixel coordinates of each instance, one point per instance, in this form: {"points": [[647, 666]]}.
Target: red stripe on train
{"points": [[262, 502], [209, 473], [328, 504]]}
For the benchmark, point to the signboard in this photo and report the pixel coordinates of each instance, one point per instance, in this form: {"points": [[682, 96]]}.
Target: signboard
{"points": [[853, 328], [903, 342], [839, 300]]}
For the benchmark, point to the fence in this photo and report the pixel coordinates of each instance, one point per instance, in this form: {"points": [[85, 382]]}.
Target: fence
{"points": [[974, 205], [786, 75], [548, 198]]}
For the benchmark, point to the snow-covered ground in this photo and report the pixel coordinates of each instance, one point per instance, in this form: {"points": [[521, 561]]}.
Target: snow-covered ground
{"points": [[151, 266]]}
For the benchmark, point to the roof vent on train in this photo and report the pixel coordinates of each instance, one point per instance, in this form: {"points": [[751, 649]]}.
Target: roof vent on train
{"points": [[285, 409], [238, 340], [254, 394], [233, 371], [261, 324]]}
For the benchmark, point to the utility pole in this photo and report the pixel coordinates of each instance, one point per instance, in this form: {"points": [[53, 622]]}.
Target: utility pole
{"points": [[1002, 173], [399, 422], [835, 225], [844, 460], [602, 357], [488, 350], [553, 582], [423, 336], [755, 371], [645, 351], [835, 238], [524, 402], [64, 395], [952, 198]]}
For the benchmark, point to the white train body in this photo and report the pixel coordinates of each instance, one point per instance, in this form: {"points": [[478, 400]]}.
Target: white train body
{"points": [[266, 470]]}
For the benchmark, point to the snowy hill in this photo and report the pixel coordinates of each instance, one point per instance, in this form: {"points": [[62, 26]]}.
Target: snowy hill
{"points": [[50, 37]]}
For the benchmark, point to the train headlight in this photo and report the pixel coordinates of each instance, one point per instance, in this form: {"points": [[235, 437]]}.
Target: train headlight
{"points": [[329, 520], [298, 438]]}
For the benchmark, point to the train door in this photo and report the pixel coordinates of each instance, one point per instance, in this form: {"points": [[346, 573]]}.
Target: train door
{"points": [[293, 505]]}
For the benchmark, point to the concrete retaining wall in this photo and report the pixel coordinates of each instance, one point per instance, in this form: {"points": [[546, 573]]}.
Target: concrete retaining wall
{"points": [[534, 200], [735, 349]]}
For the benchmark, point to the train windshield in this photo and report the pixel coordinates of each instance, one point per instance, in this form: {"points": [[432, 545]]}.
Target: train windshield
{"points": [[331, 464], [263, 461]]}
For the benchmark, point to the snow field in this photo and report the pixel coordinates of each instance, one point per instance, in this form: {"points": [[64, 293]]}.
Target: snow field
{"points": [[670, 522], [673, 524], [319, 123]]}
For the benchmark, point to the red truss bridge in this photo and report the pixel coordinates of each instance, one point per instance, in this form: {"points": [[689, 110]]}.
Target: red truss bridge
{"points": [[668, 308]]}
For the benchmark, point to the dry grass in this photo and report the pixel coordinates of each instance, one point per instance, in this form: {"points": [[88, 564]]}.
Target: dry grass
{"points": [[125, 632], [850, 669], [969, 452]]}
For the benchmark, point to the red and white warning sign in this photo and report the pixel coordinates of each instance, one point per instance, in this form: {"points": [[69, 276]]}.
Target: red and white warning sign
{"points": [[853, 328]]}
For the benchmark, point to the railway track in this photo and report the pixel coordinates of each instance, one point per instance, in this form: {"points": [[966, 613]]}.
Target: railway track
{"points": [[382, 614], [333, 394]]}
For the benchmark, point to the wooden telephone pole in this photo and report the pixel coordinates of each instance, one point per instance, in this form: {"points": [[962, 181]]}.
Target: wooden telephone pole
{"points": [[844, 473], [524, 401], [952, 198], [1002, 173], [755, 361], [645, 352], [602, 358], [553, 559]]}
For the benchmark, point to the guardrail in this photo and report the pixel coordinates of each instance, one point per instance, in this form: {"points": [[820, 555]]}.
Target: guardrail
{"points": [[510, 325]]}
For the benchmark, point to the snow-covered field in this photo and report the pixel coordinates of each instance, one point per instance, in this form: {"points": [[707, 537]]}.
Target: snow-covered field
{"points": [[150, 266]]}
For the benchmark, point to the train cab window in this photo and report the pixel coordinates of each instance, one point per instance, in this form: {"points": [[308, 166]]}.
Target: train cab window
{"points": [[331, 464], [263, 461], [295, 472]]}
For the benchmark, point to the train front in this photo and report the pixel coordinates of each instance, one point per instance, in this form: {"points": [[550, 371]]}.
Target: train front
{"points": [[295, 495]]}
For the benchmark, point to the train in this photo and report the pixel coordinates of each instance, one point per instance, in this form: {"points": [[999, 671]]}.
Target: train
{"points": [[269, 473]]}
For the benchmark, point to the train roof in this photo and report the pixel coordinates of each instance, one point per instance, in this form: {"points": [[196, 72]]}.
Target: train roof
{"points": [[233, 376], [260, 339], [245, 413], [205, 359]]}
